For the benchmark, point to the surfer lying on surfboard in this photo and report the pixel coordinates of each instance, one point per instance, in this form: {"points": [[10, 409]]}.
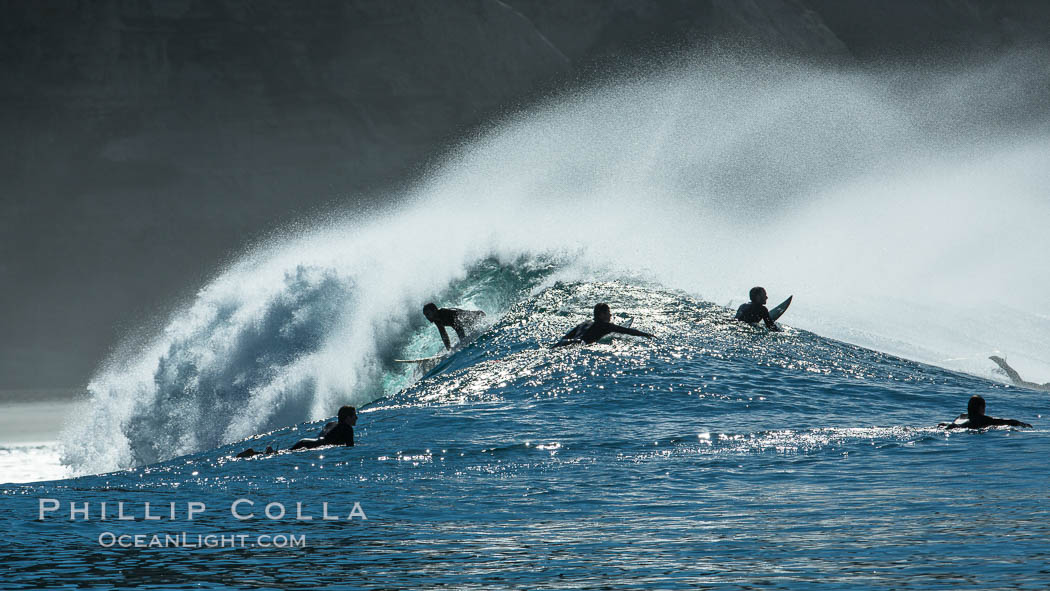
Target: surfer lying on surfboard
{"points": [[755, 310], [1016, 377], [974, 418], [339, 432], [592, 330], [460, 321]]}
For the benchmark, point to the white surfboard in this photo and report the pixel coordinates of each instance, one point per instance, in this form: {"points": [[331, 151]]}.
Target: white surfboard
{"points": [[423, 360]]}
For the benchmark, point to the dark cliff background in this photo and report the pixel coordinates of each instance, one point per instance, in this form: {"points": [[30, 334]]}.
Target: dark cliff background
{"points": [[145, 142]]}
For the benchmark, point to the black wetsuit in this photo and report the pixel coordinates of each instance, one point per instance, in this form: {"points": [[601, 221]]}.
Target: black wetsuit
{"points": [[338, 434], [459, 320], [592, 330], [752, 313], [983, 421], [251, 452], [334, 433]]}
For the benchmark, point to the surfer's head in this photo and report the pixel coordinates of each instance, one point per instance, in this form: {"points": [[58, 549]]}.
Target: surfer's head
{"points": [[975, 408], [602, 312], [758, 295], [430, 310], [348, 414]]}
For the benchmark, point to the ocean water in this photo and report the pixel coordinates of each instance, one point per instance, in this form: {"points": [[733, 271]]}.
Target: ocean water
{"points": [[716, 454], [905, 211]]}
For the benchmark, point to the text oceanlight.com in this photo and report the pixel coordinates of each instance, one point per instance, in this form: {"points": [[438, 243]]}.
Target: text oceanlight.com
{"points": [[242, 510], [186, 540]]}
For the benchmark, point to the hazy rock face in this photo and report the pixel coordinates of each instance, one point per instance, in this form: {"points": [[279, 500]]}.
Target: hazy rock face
{"points": [[207, 86], [875, 30], [147, 141], [597, 30]]}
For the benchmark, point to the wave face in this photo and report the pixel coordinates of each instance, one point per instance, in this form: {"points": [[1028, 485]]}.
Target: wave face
{"points": [[905, 211], [716, 454]]}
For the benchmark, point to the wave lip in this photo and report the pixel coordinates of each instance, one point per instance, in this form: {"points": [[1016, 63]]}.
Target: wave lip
{"points": [[247, 358]]}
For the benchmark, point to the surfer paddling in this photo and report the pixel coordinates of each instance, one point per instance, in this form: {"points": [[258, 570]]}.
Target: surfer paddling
{"points": [[1016, 377], [592, 330], [974, 418], [755, 310], [460, 321], [340, 432]]}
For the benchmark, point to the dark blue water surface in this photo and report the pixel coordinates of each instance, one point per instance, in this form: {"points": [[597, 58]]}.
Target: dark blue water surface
{"points": [[714, 456]]}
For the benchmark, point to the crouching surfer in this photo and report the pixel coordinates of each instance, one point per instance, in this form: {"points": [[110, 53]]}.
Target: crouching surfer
{"points": [[592, 330], [340, 432], [974, 418], [754, 311], [458, 320]]}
